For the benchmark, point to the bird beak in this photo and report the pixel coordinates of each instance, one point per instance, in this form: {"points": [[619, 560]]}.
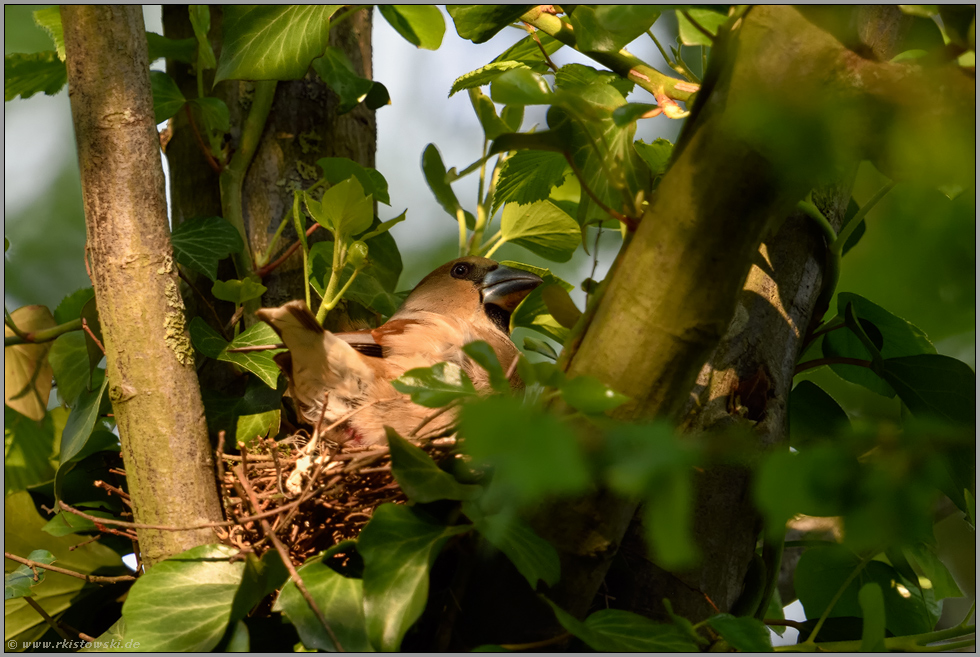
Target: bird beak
{"points": [[506, 287]]}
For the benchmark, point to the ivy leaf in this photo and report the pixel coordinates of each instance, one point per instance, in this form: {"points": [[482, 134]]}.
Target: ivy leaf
{"points": [[705, 18], [521, 86], [435, 175], [516, 439], [656, 155], [610, 28], [814, 414], [343, 210], [26, 370], [529, 176], [590, 395], [534, 557], [341, 599], [49, 19], [200, 16], [78, 430], [399, 546], [259, 363], [614, 630], [258, 425], [205, 339], [272, 42], [419, 476], [167, 98], [180, 50], [335, 69], [931, 384], [204, 574], [21, 581], [201, 243], [483, 75], [542, 228], [338, 169], [214, 113], [25, 74], [237, 291], [744, 634], [435, 386], [420, 25], [479, 23], [29, 449], [892, 335]]}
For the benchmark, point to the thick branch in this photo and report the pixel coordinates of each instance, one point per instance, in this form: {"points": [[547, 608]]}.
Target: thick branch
{"points": [[150, 362]]}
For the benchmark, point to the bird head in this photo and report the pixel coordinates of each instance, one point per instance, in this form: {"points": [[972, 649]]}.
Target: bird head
{"points": [[472, 285]]}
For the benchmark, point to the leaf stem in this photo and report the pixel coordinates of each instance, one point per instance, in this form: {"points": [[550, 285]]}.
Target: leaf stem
{"points": [[837, 596], [497, 241], [461, 220], [43, 335], [817, 362], [838, 244], [300, 243]]}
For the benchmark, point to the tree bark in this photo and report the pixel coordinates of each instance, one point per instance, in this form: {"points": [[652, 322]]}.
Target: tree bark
{"points": [[153, 387]]}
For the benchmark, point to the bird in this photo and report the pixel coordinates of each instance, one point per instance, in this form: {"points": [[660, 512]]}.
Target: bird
{"points": [[343, 380]]}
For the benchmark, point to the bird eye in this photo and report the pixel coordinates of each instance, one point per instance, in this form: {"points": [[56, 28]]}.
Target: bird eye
{"points": [[460, 270]]}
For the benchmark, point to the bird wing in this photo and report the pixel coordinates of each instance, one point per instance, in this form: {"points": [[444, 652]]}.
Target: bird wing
{"points": [[318, 362]]}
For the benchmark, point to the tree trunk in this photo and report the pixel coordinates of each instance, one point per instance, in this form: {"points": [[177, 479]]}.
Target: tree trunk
{"points": [[154, 390]]}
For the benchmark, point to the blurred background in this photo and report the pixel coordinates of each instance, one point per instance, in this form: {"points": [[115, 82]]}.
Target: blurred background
{"points": [[917, 258]]}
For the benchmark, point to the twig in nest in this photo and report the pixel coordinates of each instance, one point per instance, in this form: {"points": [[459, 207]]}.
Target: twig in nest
{"points": [[286, 559]]}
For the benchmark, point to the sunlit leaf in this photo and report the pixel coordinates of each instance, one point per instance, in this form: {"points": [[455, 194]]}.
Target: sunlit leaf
{"points": [[259, 363], [542, 228], [237, 291], [435, 386], [167, 98], [181, 50], [26, 371], [486, 112], [483, 75], [419, 476], [258, 425], [420, 25], [344, 209], [479, 23], [272, 42], [338, 169], [656, 155], [49, 19], [610, 28], [521, 86], [529, 176], [25, 74], [202, 242], [335, 69], [704, 20]]}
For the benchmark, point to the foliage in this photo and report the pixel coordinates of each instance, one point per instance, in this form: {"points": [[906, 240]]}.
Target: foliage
{"points": [[880, 476]]}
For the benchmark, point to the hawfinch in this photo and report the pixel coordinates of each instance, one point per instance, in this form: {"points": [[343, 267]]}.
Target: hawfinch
{"points": [[467, 299]]}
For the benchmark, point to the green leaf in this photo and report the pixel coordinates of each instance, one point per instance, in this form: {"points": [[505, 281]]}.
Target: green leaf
{"points": [[239, 640], [542, 228], [237, 291], [631, 112], [814, 414], [516, 440], [419, 476], [201, 243], [71, 306], [521, 86], [19, 583], [57, 593], [934, 385], [29, 449], [485, 110], [378, 96], [610, 28], [479, 23], [705, 18], [25, 74], [374, 285], [540, 347], [78, 429], [435, 386], [26, 371], [897, 337], [200, 16], [181, 50], [272, 42], [214, 113], [204, 574], [205, 339], [69, 360], [579, 77], [483, 75], [259, 363], [822, 571], [656, 155], [873, 614], [343, 210], [529, 176], [338, 169], [341, 599], [533, 312], [590, 395], [486, 358], [258, 425], [924, 11], [167, 98], [744, 634], [935, 571], [614, 630], [528, 52], [64, 523], [338, 73], [399, 546], [435, 175], [49, 19], [420, 25], [534, 557], [383, 227]]}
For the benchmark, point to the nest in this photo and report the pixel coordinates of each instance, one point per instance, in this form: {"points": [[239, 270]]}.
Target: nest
{"points": [[313, 493]]}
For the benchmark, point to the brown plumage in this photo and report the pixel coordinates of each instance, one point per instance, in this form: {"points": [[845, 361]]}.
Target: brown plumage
{"points": [[462, 301]]}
